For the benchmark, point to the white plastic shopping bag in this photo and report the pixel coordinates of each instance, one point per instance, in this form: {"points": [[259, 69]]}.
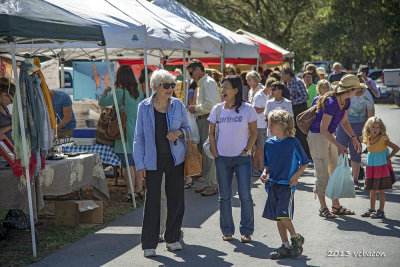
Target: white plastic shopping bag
{"points": [[194, 135], [340, 184]]}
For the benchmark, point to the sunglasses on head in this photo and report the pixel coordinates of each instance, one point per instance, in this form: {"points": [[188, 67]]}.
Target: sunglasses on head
{"points": [[168, 85]]}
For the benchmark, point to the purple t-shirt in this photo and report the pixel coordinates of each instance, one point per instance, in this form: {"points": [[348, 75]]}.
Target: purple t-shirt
{"points": [[332, 109]]}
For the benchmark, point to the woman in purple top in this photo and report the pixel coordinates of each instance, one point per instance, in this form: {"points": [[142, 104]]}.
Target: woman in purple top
{"points": [[332, 110]]}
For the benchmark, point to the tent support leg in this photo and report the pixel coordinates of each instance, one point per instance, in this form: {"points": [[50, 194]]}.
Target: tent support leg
{"points": [[146, 73], [184, 83], [24, 148], [120, 126]]}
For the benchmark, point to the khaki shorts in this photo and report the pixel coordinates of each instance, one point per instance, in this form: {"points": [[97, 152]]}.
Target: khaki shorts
{"points": [[325, 157], [261, 137]]}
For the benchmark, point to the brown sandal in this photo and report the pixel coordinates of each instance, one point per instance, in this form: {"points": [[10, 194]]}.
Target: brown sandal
{"points": [[326, 213], [227, 237], [342, 211]]}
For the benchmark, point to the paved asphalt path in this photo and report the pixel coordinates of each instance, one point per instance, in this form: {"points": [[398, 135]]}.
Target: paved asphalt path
{"points": [[346, 241]]}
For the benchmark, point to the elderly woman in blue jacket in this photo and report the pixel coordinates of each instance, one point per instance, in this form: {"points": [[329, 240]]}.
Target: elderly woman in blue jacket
{"points": [[160, 147]]}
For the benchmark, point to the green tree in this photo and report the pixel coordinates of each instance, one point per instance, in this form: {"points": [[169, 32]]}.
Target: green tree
{"points": [[349, 31]]}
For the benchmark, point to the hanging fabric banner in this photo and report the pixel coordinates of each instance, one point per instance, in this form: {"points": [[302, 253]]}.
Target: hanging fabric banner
{"points": [[51, 73]]}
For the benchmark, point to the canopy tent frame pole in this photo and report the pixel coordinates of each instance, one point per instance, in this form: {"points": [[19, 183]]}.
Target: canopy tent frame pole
{"points": [[146, 73], [184, 84], [62, 61], [223, 59], [258, 58], [119, 124], [188, 80], [24, 147]]}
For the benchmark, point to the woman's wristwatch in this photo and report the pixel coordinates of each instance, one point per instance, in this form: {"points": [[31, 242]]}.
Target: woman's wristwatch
{"points": [[248, 151]]}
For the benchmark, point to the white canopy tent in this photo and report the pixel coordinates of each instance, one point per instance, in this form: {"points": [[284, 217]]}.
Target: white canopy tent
{"points": [[37, 22], [233, 45], [132, 29]]}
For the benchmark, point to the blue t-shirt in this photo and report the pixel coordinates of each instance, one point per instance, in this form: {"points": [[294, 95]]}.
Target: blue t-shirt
{"points": [[283, 158], [60, 101]]}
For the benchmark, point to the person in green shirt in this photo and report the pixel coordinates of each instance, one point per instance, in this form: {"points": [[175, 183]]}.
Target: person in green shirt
{"points": [[311, 87], [125, 83]]}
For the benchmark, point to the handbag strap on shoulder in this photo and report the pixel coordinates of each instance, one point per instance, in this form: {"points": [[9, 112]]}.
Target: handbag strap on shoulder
{"points": [[188, 137], [123, 98]]}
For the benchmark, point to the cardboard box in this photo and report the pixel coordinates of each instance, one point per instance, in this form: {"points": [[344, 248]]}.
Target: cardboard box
{"points": [[79, 212]]}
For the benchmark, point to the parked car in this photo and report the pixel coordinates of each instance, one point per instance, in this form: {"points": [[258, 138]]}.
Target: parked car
{"points": [[68, 80], [391, 79]]}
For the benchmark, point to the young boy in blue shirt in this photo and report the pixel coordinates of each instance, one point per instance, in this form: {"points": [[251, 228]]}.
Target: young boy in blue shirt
{"points": [[284, 160]]}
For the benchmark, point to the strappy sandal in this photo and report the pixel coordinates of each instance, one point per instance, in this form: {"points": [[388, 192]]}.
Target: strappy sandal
{"points": [[227, 237], [246, 238], [189, 184], [342, 211], [127, 198], [326, 213], [378, 214], [368, 213]]}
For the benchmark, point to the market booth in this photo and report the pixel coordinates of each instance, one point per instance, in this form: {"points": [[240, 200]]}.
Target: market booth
{"points": [[24, 24]]}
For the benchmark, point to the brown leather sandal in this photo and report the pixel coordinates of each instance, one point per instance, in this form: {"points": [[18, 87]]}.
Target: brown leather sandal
{"points": [[342, 211], [326, 213], [227, 237]]}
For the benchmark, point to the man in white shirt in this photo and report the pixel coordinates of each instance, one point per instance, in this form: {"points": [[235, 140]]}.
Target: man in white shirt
{"points": [[207, 96], [259, 102]]}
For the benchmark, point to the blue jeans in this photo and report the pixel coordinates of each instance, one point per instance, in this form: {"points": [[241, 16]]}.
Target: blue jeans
{"points": [[226, 166]]}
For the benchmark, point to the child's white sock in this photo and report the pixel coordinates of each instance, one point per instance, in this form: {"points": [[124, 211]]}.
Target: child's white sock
{"points": [[294, 236], [286, 244]]}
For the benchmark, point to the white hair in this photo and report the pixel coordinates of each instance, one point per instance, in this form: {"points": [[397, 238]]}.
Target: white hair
{"points": [[336, 64], [159, 77], [254, 75]]}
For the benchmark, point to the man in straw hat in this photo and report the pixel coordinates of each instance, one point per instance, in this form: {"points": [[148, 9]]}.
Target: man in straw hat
{"points": [[332, 110]]}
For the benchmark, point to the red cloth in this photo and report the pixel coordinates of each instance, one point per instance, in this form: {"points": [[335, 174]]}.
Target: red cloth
{"points": [[18, 170], [378, 172]]}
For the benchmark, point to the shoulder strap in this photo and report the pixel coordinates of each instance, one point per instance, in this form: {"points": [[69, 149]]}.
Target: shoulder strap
{"points": [[123, 99], [219, 109], [188, 137]]}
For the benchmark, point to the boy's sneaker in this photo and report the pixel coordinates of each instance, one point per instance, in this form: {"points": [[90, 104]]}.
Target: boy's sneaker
{"points": [[174, 246], [150, 252], [297, 245], [280, 253]]}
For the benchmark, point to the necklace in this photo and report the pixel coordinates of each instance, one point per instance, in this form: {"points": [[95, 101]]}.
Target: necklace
{"points": [[374, 140], [226, 106]]}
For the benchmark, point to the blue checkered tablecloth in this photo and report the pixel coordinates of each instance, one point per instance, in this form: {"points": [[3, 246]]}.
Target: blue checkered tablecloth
{"points": [[106, 153]]}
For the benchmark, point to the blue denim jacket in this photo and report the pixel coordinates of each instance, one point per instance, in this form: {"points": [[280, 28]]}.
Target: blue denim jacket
{"points": [[144, 145]]}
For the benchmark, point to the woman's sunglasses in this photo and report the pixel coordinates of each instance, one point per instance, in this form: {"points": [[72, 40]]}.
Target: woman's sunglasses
{"points": [[168, 85], [11, 98]]}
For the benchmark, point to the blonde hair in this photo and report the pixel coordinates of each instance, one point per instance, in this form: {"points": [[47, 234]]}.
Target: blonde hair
{"points": [[323, 83], [366, 132], [284, 119]]}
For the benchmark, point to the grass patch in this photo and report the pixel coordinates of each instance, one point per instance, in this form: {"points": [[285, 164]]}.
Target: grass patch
{"points": [[16, 250]]}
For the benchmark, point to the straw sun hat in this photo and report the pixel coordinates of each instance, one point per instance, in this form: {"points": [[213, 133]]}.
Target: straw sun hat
{"points": [[347, 83], [321, 70]]}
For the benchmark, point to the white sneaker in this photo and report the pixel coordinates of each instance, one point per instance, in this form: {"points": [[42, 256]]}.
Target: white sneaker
{"points": [[174, 246], [150, 252]]}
